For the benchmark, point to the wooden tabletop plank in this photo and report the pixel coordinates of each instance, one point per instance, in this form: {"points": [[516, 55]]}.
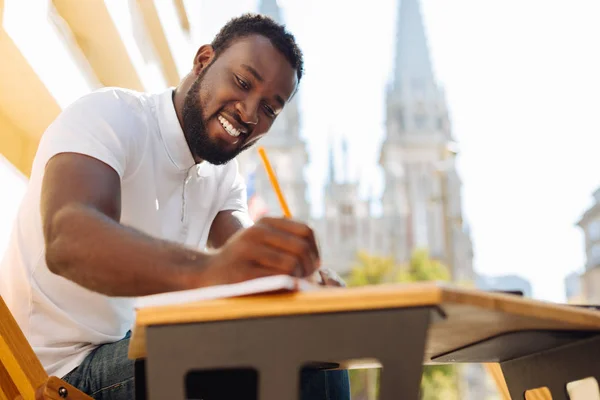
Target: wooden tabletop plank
{"points": [[472, 315], [297, 303]]}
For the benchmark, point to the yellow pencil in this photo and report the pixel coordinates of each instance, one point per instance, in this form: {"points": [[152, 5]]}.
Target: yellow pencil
{"points": [[274, 183], [286, 210]]}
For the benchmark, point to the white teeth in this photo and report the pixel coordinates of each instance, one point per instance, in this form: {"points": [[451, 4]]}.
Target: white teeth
{"points": [[228, 127]]}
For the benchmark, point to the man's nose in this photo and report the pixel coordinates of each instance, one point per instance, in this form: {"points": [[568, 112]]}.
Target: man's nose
{"points": [[248, 110]]}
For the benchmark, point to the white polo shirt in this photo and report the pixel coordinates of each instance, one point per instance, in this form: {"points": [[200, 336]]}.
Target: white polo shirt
{"points": [[163, 193]]}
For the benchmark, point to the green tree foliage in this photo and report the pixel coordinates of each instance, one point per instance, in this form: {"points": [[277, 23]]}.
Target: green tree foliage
{"points": [[438, 382]]}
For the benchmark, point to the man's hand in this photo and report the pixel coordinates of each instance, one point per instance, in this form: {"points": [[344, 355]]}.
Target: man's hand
{"points": [[272, 246]]}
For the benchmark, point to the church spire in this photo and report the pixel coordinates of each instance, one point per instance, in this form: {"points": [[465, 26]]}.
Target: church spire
{"points": [[412, 65], [271, 9], [345, 164], [331, 172]]}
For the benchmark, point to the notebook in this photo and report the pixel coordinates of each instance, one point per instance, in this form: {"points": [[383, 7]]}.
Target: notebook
{"points": [[269, 284]]}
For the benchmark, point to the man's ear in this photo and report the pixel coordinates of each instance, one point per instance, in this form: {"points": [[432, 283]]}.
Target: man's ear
{"points": [[203, 58]]}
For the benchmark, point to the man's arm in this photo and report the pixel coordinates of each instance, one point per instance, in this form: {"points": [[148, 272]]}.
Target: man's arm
{"points": [[85, 242], [81, 208], [225, 225]]}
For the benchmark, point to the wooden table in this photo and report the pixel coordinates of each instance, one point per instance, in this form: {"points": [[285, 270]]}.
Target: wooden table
{"points": [[399, 327]]}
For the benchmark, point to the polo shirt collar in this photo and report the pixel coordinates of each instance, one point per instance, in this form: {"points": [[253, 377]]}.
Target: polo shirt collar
{"points": [[171, 132]]}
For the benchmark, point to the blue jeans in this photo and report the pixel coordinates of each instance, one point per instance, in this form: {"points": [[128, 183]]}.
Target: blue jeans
{"points": [[107, 374]]}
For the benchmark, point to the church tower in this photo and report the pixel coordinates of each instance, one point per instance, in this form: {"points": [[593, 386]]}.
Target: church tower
{"points": [[346, 226], [421, 200], [286, 151]]}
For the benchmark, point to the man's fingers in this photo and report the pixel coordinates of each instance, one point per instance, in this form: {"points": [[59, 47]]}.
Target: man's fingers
{"points": [[294, 245], [296, 228], [313, 243], [270, 258], [278, 245], [254, 270]]}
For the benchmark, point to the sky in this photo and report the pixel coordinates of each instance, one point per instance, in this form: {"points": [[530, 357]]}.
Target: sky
{"points": [[522, 81]]}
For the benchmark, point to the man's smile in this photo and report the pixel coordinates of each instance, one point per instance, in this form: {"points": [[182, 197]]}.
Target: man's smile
{"points": [[231, 127]]}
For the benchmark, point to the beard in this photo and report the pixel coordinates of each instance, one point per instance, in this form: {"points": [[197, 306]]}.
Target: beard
{"points": [[194, 128]]}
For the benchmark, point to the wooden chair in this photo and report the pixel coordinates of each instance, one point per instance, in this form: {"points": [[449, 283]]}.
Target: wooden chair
{"points": [[22, 376]]}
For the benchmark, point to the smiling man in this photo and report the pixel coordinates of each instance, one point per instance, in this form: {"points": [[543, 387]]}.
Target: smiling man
{"points": [[127, 192]]}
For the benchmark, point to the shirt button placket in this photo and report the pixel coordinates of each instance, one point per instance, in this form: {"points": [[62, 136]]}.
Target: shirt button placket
{"points": [[184, 213]]}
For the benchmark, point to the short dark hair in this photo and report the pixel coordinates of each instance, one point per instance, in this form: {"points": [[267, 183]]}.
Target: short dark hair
{"points": [[257, 24]]}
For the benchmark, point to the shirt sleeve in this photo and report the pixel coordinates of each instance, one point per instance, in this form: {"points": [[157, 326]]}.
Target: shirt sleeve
{"points": [[237, 198], [100, 125]]}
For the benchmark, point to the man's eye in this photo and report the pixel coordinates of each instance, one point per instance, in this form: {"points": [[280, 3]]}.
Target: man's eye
{"points": [[270, 112], [242, 83]]}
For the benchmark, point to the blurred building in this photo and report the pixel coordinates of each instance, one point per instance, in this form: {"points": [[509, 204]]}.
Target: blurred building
{"points": [[421, 202], [590, 278], [347, 225], [573, 291]]}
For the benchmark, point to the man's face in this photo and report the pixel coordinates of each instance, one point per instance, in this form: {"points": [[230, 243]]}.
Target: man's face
{"points": [[236, 98]]}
